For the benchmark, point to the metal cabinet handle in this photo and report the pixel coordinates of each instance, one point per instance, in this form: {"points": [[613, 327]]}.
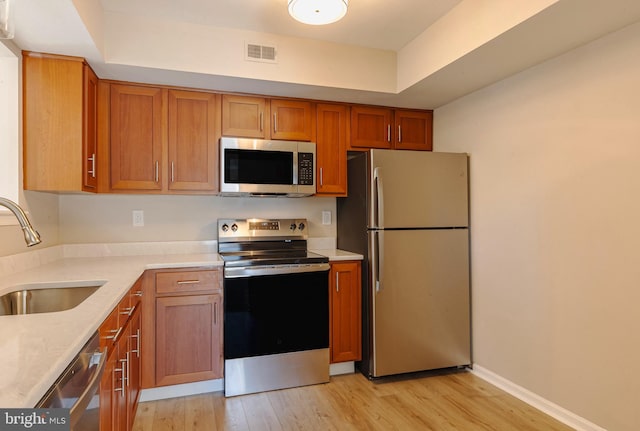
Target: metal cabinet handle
{"points": [[138, 293], [215, 313], [275, 122], [92, 159], [157, 173], [123, 380], [321, 176], [388, 132], [115, 332], [188, 282], [128, 367], [127, 311], [261, 121], [337, 282], [172, 172], [137, 337], [399, 133]]}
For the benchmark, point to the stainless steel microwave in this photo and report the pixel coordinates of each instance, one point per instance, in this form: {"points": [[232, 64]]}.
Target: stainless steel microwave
{"points": [[259, 167]]}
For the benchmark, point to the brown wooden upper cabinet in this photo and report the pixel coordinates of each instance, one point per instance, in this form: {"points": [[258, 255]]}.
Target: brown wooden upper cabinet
{"points": [[331, 149], [400, 129], [193, 134], [413, 130], [163, 140], [136, 145], [60, 123], [262, 118]]}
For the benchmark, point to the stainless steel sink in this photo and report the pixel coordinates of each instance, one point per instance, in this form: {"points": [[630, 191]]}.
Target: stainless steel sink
{"points": [[46, 297]]}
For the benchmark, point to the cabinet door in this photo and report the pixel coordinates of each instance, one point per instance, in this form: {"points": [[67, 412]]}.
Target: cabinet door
{"points": [[193, 137], [292, 120], [107, 394], [133, 364], [371, 127], [413, 130], [136, 137], [120, 403], [346, 325], [331, 149], [188, 339], [245, 117], [52, 126], [89, 130]]}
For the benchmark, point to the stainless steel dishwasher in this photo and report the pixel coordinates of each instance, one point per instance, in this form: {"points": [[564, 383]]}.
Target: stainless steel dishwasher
{"points": [[78, 388]]}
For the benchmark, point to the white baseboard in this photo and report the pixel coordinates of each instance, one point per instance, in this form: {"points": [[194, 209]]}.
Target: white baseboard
{"points": [[342, 368], [183, 390], [563, 415], [196, 388]]}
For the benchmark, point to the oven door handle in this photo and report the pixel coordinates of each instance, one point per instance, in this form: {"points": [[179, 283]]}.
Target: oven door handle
{"points": [[255, 271]]}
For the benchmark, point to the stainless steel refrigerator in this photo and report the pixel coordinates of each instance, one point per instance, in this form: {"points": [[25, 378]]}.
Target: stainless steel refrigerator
{"points": [[407, 213]]}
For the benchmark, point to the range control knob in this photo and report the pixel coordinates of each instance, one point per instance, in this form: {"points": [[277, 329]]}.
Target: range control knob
{"points": [[225, 227], [293, 226], [301, 226], [234, 227]]}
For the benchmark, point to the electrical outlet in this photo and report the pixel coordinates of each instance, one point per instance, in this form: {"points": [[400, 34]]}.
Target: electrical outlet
{"points": [[326, 217], [138, 218]]}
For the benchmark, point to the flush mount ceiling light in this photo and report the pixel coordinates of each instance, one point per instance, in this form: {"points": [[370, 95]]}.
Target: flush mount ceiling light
{"points": [[318, 12]]}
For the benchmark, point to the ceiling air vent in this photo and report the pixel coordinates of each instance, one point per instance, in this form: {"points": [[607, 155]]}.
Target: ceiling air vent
{"points": [[257, 52]]}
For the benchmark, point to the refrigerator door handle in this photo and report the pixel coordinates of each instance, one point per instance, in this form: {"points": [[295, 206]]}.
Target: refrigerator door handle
{"points": [[379, 197], [378, 259]]}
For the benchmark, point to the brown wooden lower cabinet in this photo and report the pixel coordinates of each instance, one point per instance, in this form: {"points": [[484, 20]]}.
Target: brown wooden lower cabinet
{"points": [[183, 312], [345, 311], [180, 314], [187, 338], [121, 335]]}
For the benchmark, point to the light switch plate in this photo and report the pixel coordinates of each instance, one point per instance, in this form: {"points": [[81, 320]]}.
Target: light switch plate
{"points": [[326, 217], [138, 218]]}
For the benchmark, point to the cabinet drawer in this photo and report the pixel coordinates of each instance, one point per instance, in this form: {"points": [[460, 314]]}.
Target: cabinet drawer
{"points": [[187, 281]]}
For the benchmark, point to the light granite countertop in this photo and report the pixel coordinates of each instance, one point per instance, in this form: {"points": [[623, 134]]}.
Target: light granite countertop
{"points": [[35, 349]]}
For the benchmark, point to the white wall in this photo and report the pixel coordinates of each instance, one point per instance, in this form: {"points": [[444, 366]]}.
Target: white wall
{"points": [[555, 211], [108, 218], [42, 208]]}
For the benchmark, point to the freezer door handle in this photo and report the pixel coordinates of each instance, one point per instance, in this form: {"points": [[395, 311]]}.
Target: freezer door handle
{"points": [[378, 197], [378, 259]]}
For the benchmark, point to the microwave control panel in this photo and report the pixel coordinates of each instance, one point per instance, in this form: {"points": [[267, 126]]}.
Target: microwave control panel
{"points": [[305, 169]]}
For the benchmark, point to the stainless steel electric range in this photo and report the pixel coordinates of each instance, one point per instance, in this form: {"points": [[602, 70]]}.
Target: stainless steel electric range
{"points": [[276, 306]]}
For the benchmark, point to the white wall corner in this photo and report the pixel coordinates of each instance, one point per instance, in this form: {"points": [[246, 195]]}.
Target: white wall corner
{"points": [[560, 413]]}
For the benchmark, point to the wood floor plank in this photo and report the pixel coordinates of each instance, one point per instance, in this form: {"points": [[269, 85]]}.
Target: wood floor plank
{"points": [[230, 414], [439, 402], [200, 413], [259, 413]]}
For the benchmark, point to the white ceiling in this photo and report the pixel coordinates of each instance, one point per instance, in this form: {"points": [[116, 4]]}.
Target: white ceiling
{"points": [[440, 49], [370, 23]]}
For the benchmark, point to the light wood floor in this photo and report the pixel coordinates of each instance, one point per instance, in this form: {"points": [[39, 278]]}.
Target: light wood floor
{"points": [[458, 401]]}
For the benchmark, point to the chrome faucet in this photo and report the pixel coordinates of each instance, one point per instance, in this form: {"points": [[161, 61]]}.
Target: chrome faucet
{"points": [[31, 236]]}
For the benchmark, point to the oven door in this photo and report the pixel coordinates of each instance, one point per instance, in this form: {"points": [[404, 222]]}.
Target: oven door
{"points": [[275, 310], [275, 319]]}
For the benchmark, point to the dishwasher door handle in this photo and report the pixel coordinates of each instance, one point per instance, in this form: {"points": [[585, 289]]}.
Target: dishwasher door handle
{"points": [[90, 390]]}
